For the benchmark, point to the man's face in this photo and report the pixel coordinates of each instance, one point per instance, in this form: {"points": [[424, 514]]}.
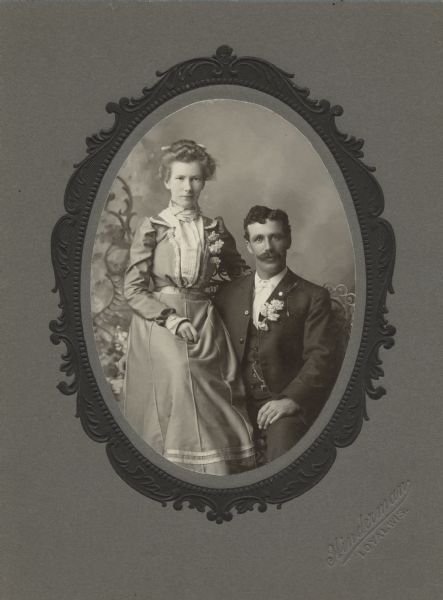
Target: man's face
{"points": [[269, 244]]}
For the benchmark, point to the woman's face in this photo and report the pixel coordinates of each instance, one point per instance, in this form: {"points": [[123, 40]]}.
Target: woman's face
{"points": [[185, 183]]}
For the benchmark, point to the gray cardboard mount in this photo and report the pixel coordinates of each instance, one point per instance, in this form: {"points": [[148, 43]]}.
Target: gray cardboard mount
{"points": [[71, 528]]}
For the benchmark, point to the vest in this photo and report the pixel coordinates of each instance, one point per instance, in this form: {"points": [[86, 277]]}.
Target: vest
{"points": [[252, 373]]}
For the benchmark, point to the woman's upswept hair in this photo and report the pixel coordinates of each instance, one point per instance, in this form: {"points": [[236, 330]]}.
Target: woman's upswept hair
{"points": [[186, 151], [261, 214]]}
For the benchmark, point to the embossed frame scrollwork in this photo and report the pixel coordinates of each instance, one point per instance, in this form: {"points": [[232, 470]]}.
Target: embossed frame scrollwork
{"points": [[379, 254]]}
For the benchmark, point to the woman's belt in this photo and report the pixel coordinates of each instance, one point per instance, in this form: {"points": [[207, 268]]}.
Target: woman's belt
{"points": [[196, 293]]}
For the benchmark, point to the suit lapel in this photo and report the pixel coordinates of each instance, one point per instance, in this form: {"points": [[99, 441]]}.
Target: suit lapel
{"points": [[288, 282]]}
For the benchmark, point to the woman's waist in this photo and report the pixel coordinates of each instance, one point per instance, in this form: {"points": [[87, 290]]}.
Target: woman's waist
{"points": [[192, 292]]}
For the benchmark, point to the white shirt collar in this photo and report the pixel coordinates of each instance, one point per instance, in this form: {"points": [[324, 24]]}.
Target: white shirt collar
{"points": [[272, 282]]}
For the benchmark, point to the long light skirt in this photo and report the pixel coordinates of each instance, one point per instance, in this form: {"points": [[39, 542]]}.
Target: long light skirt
{"points": [[187, 400]]}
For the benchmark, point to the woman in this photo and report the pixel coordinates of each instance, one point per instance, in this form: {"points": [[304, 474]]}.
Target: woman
{"points": [[183, 393]]}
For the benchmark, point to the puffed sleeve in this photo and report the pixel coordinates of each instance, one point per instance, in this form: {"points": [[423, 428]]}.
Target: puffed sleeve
{"points": [[138, 274], [231, 260]]}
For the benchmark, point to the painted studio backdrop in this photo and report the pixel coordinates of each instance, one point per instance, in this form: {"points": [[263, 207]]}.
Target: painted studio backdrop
{"points": [[261, 159]]}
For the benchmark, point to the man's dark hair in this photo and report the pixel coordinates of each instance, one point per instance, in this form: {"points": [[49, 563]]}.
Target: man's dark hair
{"points": [[260, 214]]}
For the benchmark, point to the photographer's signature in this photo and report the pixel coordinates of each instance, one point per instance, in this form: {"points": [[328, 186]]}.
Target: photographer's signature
{"points": [[371, 528]]}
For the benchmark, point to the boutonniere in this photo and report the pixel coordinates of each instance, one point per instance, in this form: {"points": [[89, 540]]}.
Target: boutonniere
{"points": [[271, 312], [215, 246]]}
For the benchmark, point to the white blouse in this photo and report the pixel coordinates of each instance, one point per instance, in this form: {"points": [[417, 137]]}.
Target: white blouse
{"points": [[189, 236]]}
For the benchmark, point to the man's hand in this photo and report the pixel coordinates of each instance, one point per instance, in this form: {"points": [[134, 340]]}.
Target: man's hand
{"points": [[186, 331], [274, 410]]}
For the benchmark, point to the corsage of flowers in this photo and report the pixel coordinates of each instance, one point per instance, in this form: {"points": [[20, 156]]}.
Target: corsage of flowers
{"points": [[271, 312], [215, 246]]}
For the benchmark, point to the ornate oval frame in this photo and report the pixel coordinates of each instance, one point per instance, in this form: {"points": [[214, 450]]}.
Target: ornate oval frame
{"points": [[379, 252]]}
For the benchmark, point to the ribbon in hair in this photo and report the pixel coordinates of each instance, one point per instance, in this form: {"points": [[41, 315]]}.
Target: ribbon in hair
{"points": [[165, 148]]}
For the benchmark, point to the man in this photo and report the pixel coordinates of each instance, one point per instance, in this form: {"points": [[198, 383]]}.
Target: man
{"points": [[279, 324]]}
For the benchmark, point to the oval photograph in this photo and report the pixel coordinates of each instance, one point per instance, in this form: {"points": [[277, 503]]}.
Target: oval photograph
{"points": [[222, 286]]}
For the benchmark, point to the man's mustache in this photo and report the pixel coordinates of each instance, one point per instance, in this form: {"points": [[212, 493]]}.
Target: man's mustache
{"points": [[265, 255]]}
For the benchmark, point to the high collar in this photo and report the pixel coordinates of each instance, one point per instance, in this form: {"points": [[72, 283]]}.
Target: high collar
{"points": [[167, 219], [183, 214]]}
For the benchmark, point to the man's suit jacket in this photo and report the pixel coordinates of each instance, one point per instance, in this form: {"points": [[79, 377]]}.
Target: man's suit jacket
{"points": [[296, 353]]}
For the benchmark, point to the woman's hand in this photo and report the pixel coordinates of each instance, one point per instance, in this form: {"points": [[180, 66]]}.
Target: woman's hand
{"points": [[186, 331]]}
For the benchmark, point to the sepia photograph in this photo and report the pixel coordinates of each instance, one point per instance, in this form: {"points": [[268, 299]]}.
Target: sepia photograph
{"points": [[222, 286], [221, 239]]}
